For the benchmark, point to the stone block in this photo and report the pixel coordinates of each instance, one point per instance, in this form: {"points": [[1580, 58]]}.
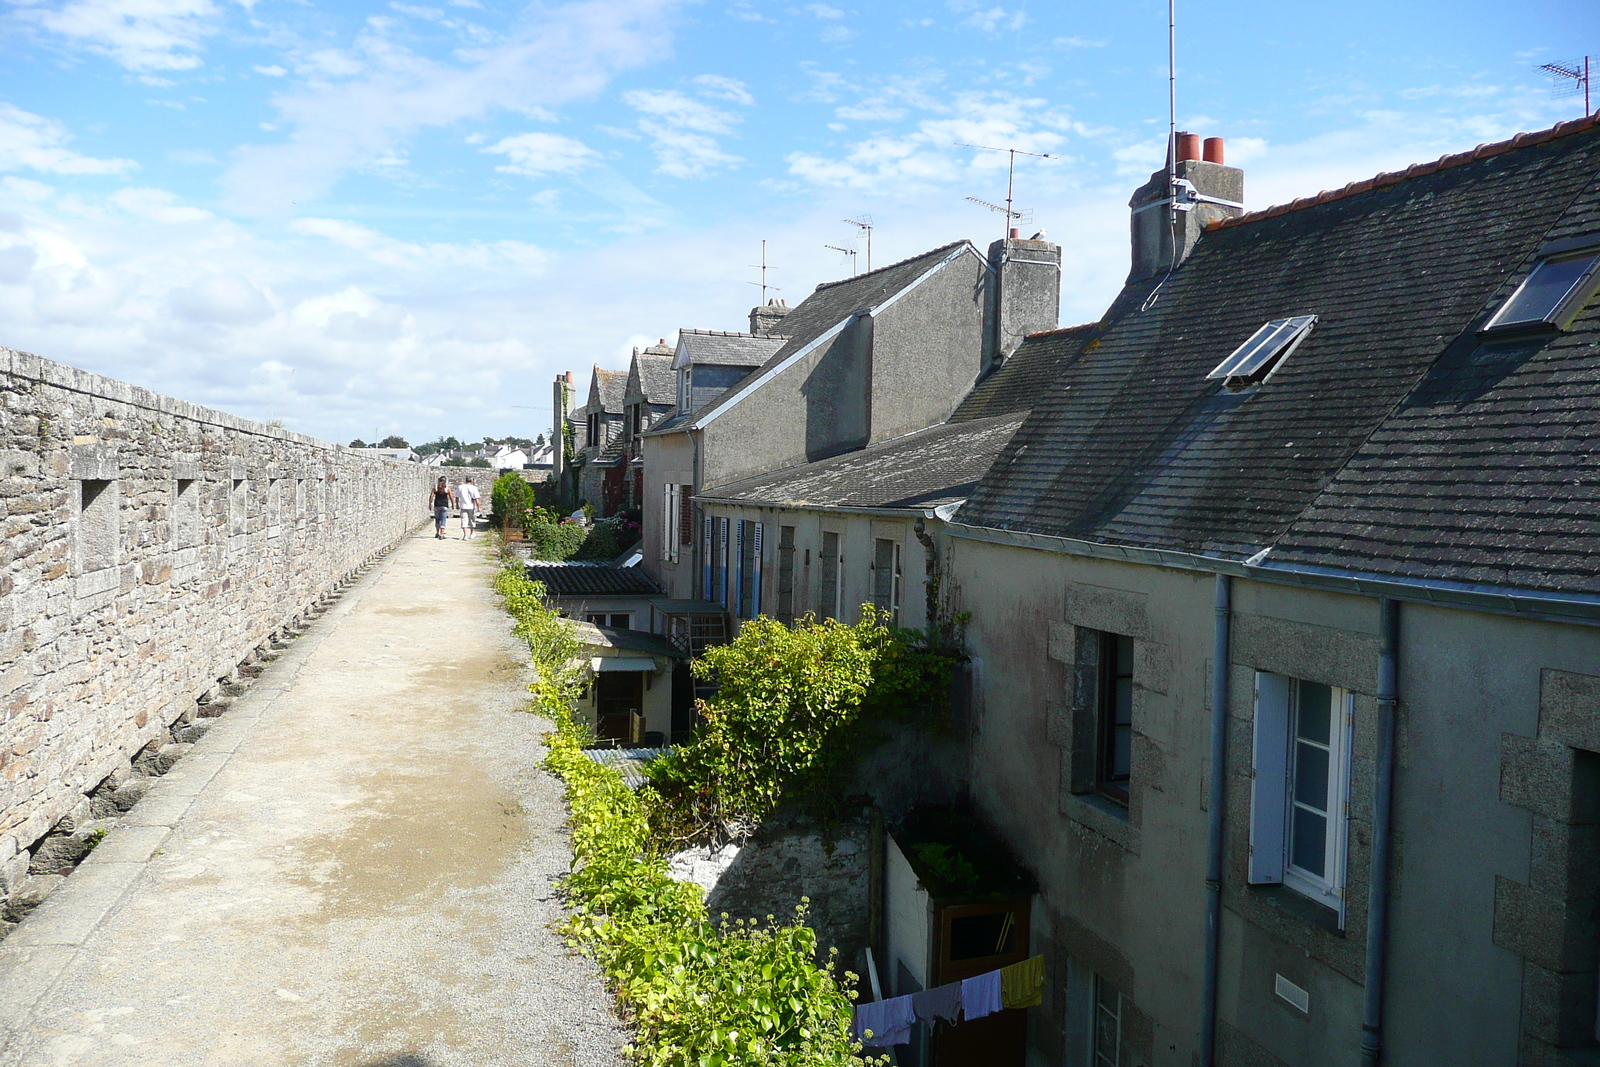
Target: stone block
{"points": [[168, 756], [1537, 775], [1569, 709], [1544, 929], [57, 853], [131, 792], [31, 894]]}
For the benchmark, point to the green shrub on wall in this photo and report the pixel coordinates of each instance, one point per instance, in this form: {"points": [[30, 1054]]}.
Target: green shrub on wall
{"points": [[698, 993]]}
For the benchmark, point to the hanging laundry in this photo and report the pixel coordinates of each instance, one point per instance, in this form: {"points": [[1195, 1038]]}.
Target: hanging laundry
{"points": [[943, 1002], [980, 996], [889, 1020], [1022, 984]]}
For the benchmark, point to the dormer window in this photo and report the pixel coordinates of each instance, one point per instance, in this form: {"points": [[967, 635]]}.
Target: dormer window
{"points": [[683, 389], [1263, 352], [1552, 293]]}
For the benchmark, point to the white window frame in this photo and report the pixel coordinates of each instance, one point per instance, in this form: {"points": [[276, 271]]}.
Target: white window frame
{"points": [[1272, 800], [671, 497], [1103, 1056]]}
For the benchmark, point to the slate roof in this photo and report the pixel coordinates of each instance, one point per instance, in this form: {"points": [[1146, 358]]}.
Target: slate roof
{"points": [[832, 302], [938, 465], [726, 349], [607, 388], [1391, 441], [591, 579], [652, 377], [1016, 385]]}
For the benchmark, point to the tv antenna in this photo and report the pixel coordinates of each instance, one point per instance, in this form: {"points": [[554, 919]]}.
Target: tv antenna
{"points": [[1010, 181], [765, 266], [846, 252], [1570, 79], [864, 224]]}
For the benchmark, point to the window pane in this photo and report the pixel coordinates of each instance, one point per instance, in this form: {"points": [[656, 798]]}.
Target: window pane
{"points": [[1311, 776], [1310, 848], [1316, 707], [1125, 656], [1122, 754], [1544, 290]]}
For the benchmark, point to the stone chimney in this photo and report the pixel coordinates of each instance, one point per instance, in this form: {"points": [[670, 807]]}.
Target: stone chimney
{"points": [[1026, 293], [768, 319], [561, 396], [1208, 190]]}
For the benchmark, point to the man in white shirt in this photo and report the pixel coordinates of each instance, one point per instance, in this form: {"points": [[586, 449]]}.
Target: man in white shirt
{"points": [[467, 500]]}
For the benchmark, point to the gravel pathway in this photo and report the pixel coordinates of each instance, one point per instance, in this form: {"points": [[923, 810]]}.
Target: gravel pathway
{"points": [[353, 868]]}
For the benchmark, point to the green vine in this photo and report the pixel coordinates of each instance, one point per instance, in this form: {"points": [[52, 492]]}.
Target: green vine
{"points": [[698, 993]]}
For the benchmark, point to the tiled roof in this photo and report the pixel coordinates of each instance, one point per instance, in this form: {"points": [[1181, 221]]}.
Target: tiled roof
{"points": [[726, 349], [1016, 385], [1390, 440], [652, 377], [920, 470], [591, 579]]}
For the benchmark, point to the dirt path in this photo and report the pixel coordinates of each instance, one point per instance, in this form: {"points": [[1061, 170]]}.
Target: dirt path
{"points": [[353, 868]]}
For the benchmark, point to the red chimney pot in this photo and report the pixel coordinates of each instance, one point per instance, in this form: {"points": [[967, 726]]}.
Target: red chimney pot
{"points": [[1015, 233], [1188, 146], [1214, 150]]}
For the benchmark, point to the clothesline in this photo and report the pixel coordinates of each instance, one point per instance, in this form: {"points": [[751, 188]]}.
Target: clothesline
{"points": [[888, 1022]]}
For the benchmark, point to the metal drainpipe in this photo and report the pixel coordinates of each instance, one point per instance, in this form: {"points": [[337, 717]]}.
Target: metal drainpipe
{"points": [[1214, 812], [1382, 807], [930, 579]]}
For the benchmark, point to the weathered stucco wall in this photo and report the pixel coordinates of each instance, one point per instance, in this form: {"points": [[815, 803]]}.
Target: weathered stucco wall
{"points": [[150, 545]]}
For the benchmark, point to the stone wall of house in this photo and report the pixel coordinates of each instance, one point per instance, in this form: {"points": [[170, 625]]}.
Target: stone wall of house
{"points": [[150, 546]]}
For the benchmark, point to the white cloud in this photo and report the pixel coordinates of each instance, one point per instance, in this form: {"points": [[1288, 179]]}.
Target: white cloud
{"points": [[988, 19], [533, 154], [825, 11], [38, 143], [23, 189], [731, 89], [136, 34], [359, 104], [158, 205], [273, 71], [682, 131], [224, 300], [1068, 43]]}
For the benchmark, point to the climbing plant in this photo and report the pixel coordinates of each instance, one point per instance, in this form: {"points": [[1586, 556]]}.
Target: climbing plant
{"points": [[795, 709], [699, 993]]}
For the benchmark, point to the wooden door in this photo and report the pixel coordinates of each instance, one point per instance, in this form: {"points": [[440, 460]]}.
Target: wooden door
{"points": [[973, 939], [619, 696]]}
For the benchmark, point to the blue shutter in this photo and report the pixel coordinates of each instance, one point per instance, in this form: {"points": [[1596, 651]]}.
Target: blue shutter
{"points": [[706, 589], [1269, 789], [722, 577], [738, 571], [755, 579]]}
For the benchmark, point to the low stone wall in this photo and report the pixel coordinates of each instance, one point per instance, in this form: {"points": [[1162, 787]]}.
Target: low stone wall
{"points": [[150, 546]]}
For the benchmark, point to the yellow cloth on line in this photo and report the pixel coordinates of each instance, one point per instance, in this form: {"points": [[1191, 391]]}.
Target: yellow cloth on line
{"points": [[1022, 984]]}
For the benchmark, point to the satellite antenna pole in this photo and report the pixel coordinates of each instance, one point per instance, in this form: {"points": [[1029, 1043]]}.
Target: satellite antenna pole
{"points": [[1008, 211], [864, 224], [765, 266], [1571, 79], [848, 252]]}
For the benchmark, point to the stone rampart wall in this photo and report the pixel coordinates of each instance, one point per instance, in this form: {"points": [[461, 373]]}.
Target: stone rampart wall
{"points": [[150, 545]]}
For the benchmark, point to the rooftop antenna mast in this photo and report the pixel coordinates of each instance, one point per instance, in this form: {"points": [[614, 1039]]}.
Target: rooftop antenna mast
{"points": [[765, 266], [1571, 79], [1173, 210], [848, 252], [1008, 211], [864, 224]]}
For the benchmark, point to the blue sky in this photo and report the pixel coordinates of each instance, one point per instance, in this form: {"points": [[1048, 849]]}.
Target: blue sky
{"points": [[408, 216]]}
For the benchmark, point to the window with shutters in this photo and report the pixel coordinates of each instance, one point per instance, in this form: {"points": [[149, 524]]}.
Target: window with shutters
{"points": [[722, 558], [749, 574], [1114, 716], [670, 534], [686, 514], [829, 570], [1300, 793], [707, 559], [886, 577], [786, 575]]}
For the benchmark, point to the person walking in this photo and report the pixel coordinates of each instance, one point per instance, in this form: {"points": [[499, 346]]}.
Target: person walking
{"points": [[441, 508], [467, 498]]}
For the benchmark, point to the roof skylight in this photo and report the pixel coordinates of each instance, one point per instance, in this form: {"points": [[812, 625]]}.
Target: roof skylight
{"points": [[1259, 356], [1552, 293]]}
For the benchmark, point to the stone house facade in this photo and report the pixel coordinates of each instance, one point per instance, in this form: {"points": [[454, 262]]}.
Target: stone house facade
{"points": [[1285, 667], [150, 546], [863, 362]]}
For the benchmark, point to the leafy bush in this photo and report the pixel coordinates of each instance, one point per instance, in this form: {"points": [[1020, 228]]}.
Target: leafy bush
{"points": [[794, 710], [555, 540], [700, 994], [510, 500]]}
